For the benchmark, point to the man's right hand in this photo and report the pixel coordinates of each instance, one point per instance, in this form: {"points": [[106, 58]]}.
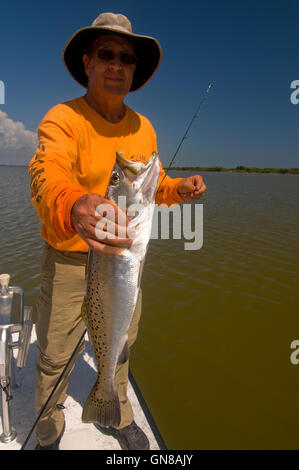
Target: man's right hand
{"points": [[112, 236]]}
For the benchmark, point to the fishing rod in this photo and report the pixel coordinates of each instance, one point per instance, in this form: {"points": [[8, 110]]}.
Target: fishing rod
{"points": [[196, 115]]}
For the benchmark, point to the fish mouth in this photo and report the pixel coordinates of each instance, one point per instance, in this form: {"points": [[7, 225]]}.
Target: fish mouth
{"points": [[134, 167], [126, 164], [136, 175]]}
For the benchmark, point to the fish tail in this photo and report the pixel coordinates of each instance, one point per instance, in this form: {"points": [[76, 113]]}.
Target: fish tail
{"points": [[102, 410]]}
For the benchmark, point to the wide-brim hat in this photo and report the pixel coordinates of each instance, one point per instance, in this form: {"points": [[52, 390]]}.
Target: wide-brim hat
{"points": [[147, 49]]}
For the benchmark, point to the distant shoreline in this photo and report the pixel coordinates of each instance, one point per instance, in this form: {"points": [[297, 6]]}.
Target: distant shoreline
{"points": [[238, 169]]}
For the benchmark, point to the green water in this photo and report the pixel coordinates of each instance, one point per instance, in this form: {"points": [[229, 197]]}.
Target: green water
{"points": [[213, 353]]}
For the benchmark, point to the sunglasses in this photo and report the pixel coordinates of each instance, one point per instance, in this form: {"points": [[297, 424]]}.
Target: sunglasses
{"points": [[125, 58]]}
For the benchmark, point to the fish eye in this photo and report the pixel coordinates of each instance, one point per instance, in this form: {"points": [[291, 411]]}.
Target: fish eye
{"points": [[114, 178]]}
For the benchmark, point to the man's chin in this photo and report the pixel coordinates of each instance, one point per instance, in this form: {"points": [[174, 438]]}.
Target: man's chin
{"points": [[116, 90]]}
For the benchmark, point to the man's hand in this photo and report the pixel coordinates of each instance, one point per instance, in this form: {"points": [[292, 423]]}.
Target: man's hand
{"points": [[191, 188], [112, 236]]}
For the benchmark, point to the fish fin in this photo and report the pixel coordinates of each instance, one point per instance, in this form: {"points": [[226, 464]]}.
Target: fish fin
{"points": [[104, 411], [124, 355]]}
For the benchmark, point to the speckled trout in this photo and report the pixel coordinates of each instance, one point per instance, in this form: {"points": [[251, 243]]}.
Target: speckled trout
{"points": [[113, 283]]}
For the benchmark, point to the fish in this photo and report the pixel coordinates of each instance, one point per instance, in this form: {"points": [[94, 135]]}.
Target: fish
{"points": [[113, 283]]}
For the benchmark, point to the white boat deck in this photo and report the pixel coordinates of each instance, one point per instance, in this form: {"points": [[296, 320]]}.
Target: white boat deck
{"points": [[77, 436]]}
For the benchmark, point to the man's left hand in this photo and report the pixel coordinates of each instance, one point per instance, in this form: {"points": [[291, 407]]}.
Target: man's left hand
{"points": [[191, 188]]}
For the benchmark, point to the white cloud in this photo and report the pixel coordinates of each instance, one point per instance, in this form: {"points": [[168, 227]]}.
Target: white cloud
{"points": [[17, 144]]}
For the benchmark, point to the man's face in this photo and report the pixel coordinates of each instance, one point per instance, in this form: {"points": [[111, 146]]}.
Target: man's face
{"points": [[109, 77]]}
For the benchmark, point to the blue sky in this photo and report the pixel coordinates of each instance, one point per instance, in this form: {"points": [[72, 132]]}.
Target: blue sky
{"points": [[249, 48]]}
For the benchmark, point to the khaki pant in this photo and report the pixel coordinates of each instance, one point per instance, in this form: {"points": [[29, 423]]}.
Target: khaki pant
{"points": [[59, 327]]}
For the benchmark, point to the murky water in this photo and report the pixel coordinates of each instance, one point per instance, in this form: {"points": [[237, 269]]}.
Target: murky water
{"points": [[213, 353]]}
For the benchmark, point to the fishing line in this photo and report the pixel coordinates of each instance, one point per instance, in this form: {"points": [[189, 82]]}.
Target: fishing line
{"points": [[196, 115], [53, 390]]}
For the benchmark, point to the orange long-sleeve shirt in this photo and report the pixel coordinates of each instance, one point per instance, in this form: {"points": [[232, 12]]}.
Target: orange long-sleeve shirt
{"points": [[76, 154]]}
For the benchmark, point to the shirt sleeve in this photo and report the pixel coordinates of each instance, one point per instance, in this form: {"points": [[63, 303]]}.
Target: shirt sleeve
{"points": [[167, 192], [54, 189]]}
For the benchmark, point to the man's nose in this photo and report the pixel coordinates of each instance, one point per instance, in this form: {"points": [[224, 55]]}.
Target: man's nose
{"points": [[116, 62]]}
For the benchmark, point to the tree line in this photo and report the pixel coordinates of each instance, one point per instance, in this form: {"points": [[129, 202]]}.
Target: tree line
{"points": [[240, 169]]}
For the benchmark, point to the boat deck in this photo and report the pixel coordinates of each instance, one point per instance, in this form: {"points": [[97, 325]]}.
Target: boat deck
{"points": [[77, 436]]}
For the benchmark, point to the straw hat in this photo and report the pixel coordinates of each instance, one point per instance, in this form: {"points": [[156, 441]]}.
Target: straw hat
{"points": [[147, 49]]}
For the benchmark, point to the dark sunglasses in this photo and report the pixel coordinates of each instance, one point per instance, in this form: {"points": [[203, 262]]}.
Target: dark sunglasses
{"points": [[107, 55]]}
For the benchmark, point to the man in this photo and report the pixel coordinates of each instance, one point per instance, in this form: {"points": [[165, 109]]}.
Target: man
{"points": [[70, 172]]}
